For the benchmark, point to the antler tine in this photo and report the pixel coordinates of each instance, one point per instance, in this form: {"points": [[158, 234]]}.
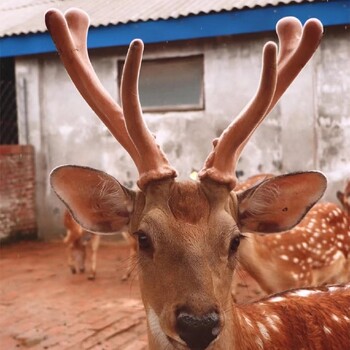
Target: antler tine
{"points": [[154, 165], [221, 162], [69, 34], [297, 45]]}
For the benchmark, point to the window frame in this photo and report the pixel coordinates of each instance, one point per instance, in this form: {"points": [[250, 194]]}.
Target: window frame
{"points": [[171, 108]]}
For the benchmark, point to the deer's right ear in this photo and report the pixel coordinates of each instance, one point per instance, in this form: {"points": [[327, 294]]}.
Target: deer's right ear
{"points": [[97, 201], [279, 203], [340, 196]]}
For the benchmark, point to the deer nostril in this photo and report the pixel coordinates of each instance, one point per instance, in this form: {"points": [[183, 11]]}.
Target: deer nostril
{"points": [[198, 331]]}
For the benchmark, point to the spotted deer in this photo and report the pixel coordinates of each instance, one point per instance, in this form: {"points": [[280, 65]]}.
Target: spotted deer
{"points": [[77, 240], [189, 233], [313, 253], [344, 198]]}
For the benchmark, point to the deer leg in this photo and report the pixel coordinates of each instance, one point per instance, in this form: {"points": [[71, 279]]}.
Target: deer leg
{"points": [[95, 242], [132, 256], [71, 263]]}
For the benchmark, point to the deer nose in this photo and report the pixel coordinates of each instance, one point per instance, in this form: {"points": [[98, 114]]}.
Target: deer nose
{"points": [[198, 331]]}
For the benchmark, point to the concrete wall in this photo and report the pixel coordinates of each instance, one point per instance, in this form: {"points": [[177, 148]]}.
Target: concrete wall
{"points": [[308, 129]]}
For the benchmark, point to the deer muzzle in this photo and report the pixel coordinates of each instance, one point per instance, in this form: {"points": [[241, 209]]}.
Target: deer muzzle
{"points": [[198, 331]]}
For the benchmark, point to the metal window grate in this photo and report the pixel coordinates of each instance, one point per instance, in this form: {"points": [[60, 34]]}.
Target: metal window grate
{"points": [[8, 106]]}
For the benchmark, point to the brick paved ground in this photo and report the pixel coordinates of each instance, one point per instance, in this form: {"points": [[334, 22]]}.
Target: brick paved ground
{"points": [[44, 306]]}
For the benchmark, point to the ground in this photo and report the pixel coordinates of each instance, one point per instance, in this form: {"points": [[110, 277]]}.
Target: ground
{"points": [[44, 306]]}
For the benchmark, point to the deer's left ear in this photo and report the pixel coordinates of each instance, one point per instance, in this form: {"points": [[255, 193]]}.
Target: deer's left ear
{"points": [[279, 203], [96, 200]]}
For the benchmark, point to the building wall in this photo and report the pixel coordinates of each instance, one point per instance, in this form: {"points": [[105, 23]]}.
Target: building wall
{"points": [[17, 192], [308, 129]]}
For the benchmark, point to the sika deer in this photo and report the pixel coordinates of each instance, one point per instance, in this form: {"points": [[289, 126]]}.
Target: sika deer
{"points": [[132, 255], [313, 253], [189, 233], [76, 240], [344, 198]]}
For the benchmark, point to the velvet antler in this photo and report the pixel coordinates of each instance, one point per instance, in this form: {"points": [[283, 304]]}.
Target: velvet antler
{"points": [[69, 32], [297, 45]]}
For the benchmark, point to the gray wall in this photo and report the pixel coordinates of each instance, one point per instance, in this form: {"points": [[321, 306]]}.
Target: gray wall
{"points": [[308, 129]]}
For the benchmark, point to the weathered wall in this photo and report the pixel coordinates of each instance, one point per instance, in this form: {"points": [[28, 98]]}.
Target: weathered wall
{"points": [[17, 192], [308, 129]]}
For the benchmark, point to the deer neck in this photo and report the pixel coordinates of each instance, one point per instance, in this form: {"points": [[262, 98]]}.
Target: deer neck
{"points": [[254, 257]]}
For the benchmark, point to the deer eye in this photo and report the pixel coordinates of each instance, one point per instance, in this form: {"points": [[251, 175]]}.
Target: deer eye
{"points": [[234, 244], [143, 240]]}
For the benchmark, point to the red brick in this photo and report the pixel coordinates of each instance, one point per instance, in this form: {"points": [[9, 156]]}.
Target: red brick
{"points": [[17, 189], [38, 292]]}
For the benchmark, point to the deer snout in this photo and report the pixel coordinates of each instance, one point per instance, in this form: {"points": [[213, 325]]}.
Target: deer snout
{"points": [[198, 331]]}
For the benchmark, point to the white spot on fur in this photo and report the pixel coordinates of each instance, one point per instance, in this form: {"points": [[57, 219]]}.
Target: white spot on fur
{"points": [[294, 276], [259, 343], [335, 318], [276, 299], [248, 321], [327, 330], [272, 321], [284, 257], [263, 330], [305, 292]]}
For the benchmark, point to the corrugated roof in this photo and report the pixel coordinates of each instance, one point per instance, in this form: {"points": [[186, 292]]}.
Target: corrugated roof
{"points": [[27, 16]]}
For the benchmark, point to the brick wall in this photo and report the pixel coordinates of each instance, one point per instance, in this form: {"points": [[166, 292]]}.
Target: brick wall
{"points": [[17, 192]]}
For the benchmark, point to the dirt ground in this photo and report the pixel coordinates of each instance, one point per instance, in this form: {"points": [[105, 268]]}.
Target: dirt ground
{"points": [[44, 306]]}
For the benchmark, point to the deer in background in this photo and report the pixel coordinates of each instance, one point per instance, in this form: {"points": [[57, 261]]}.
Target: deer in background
{"points": [[77, 240], [132, 255], [313, 253], [189, 233], [344, 198]]}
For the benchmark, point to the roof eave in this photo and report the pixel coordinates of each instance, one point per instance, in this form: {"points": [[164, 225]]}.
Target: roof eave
{"points": [[191, 27]]}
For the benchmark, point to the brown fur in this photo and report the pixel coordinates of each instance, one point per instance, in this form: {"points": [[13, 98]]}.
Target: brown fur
{"points": [[289, 318], [186, 253], [76, 240], [315, 252]]}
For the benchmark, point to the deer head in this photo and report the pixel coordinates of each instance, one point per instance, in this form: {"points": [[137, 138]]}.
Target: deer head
{"points": [[344, 197], [188, 233]]}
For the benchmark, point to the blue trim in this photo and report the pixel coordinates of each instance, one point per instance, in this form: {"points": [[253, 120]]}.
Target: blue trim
{"points": [[332, 12]]}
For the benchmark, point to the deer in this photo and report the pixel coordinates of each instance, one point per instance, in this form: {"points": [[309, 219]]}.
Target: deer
{"points": [[76, 240], [131, 263], [313, 253], [189, 232], [344, 198]]}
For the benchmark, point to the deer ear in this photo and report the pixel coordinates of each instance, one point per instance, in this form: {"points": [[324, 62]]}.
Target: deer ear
{"points": [[97, 201], [340, 196], [279, 203]]}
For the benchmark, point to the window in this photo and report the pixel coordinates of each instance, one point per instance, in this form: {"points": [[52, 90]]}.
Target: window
{"points": [[8, 105], [172, 84]]}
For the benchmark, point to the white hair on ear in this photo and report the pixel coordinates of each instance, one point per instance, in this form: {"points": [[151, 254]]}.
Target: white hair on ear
{"points": [[111, 198], [262, 198]]}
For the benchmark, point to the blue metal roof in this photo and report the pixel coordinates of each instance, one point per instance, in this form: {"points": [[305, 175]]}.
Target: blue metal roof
{"points": [[243, 21]]}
